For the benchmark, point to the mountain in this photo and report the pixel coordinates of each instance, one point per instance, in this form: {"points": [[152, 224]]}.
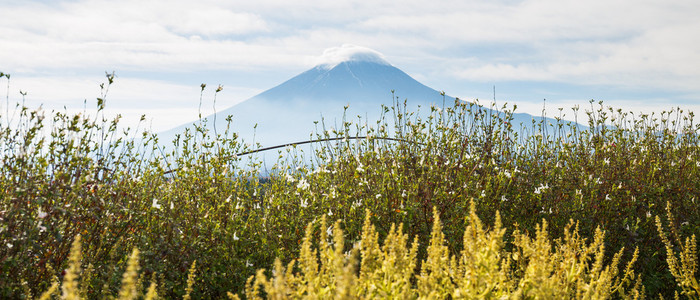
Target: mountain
{"points": [[352, 76]]}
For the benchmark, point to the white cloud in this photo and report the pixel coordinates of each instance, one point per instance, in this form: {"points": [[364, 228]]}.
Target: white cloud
{"points": [[347, 52], [645, 44]]}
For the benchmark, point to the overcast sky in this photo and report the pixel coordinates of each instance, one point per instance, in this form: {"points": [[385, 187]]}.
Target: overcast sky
{"points": [[636, 55]]}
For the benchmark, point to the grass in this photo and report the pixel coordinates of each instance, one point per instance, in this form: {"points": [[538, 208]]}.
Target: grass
{"points": [[69, 176]]}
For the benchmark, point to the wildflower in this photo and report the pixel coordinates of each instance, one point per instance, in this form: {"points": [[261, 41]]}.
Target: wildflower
{"points": [[248, 264], [330, 213], [304, 203], [155, 204], [503, 198], [303, 184], [359, 168], [40, 214], [235, 237], [357, 203], [606, 161], [41, 227], [541, 188], [483, 193], [288, 177], [403, 194], [378, 196], [506, 173], [9, 246]]}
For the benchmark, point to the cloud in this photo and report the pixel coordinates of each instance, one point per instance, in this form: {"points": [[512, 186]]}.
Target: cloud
{"points": [[648, 44], [335, 55]]}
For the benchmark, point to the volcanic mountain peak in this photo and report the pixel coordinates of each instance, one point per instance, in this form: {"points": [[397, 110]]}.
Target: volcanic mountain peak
{"points": [[349, 53]]}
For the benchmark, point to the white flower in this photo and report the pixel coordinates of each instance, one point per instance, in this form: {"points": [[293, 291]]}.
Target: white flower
{"points": [[41, 227], [541, 188], [606, 161], [303, 184], [248, 264], [357, 203], [359, 168], [506, 173], [40, 214], [504, 199], [288, 177], [172, 205], [228, 199], [155, 204], [9, 246], [403, 194], [483, 193], [378, 196], [235, 237], [330, 213], [304, 203]]}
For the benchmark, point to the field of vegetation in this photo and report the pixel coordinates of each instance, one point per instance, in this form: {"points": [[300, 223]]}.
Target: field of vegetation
{"points": [[458, 202]]}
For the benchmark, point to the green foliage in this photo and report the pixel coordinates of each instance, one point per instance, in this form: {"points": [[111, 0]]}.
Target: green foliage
{"points": [[684, 270], [120, 189], [573, 270], [130, 287]]}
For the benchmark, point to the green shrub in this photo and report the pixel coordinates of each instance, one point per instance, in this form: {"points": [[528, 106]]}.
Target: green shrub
{"points": [[572, 269], [72, 285], [196, 200], [683, 271]]}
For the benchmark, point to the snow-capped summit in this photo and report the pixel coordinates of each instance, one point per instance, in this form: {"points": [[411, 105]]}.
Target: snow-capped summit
{"points": [[333, 56]]}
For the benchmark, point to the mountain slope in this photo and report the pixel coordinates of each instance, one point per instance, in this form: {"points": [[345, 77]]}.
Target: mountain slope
{"points": [[286, 113], [351, 76]]}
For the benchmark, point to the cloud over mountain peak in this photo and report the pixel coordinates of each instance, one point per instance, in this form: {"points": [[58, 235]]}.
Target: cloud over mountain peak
{"points": [[331, 57]]}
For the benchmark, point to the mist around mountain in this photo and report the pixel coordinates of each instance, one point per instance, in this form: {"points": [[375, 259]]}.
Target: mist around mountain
{"points": [[348, 82]]}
